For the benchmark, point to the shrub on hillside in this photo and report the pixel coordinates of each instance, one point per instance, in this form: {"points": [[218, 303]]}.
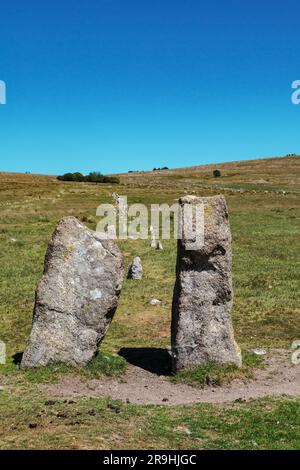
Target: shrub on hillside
{"points": [[93, 177], [217, 173]]}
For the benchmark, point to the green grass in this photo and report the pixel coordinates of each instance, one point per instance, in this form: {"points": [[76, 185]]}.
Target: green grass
{"points": [[261, 424], [266, 274], [35, 422], [101, 364]]}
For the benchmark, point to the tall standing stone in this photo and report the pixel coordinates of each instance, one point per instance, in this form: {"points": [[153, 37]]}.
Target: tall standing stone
{"points": [[201, 315], [76, 297]]}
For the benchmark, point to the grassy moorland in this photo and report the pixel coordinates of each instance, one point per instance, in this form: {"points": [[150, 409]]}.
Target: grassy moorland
{"points": [[264, 205]]}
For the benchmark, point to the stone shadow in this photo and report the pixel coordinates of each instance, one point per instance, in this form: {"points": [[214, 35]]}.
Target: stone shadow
{"points": [[155, 360], [17, 358]]}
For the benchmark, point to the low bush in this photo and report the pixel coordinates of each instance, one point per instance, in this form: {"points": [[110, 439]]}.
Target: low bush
{"points": [[93, 177]]}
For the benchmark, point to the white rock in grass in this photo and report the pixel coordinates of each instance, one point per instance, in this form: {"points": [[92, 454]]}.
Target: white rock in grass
{"points": [[155, 302], [296, 344], [296, 358], [259, 351]]}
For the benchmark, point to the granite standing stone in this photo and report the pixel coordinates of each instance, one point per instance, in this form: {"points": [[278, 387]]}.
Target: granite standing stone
{"points": [[76, 297], [201, 315]]}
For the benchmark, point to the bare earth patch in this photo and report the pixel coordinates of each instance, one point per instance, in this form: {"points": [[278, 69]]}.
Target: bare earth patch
{"points": [[278, 377]]}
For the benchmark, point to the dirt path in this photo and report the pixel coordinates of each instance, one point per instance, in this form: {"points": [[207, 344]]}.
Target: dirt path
{"points": [[138, 385]]}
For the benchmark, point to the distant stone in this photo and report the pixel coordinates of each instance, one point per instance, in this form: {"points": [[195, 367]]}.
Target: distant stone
{"points": [[259, 351], [296, 344], [2, 352], [159, 245], [202, 329], [153, 238], [155, 302], [136, 269], [153, 243], [76, 297]]}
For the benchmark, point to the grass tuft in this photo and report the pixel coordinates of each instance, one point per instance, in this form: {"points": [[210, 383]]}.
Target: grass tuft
{"points": [[105, 364], [215, 374], [102, 364]]}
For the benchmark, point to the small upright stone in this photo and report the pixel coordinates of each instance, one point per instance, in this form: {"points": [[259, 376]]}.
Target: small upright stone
{"points": [[153, 243], [201, 315], [2, 352], [76, 297], [136, 269], [153, 239]]}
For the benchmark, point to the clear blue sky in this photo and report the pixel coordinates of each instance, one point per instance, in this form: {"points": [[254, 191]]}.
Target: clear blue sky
{"points": [[114, 85]]}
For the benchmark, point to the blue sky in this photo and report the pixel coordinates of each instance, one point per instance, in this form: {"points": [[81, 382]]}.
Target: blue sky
{"points": [[117, 85]]}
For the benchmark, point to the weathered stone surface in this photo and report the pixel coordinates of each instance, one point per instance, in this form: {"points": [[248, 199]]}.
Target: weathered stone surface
{"points": [[76, 297], [201, 315], [136, 269]]}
